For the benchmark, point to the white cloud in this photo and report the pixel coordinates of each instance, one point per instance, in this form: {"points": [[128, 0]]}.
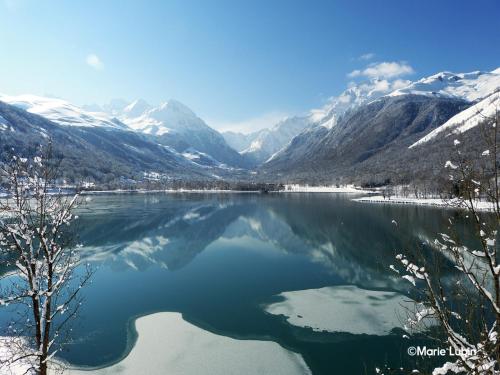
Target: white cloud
{"points": [[382, 85], [94, 61], [367, 56], [250, 125], [383, 70]]}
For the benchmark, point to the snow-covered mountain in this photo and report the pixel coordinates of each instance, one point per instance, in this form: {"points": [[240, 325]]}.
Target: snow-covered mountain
{"points": [[128, 152], [175, 125], [172, 124], [468, 86], [372, 129], [325, 118], [266, 144], [262, 144], [239, 141], [62, 112], [168, 117], [369, 127], [482, 89], [355, 96], [270, 141], [135, 109], [94, 152]]}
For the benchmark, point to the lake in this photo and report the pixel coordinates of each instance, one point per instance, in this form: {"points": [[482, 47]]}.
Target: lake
{"points": [[220, 259]]}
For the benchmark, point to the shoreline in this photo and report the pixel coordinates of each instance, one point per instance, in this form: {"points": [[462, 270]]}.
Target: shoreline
{"points": [[429, 202], [351, 189], [171, 191]]}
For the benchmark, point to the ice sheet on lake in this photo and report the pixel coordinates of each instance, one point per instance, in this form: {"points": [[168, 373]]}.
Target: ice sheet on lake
{"points": [[342, 309], [167, 344]]}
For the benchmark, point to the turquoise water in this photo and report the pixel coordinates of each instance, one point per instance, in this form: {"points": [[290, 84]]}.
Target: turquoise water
{"points": [[217, 258]]}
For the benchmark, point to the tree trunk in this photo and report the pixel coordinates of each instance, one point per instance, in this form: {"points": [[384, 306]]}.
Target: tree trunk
{"points": [[43, 365]]}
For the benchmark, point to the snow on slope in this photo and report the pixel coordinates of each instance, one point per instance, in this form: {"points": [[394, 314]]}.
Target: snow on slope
{"points": [[136, 108], [61, 111], [465, 120], [469, 86]]}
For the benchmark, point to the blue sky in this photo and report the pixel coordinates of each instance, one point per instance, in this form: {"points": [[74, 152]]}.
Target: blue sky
{"points": [[238, 64]]}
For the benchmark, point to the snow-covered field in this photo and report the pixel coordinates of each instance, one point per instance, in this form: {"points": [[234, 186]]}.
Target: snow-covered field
{"points": [[342, 309], [167, 344], [480, 205], [7, 352], [322, 189]]}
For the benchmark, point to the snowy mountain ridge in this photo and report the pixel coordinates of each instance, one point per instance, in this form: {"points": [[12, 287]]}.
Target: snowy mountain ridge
{"points": [[471, 86], [480, 88], [62, 112]]}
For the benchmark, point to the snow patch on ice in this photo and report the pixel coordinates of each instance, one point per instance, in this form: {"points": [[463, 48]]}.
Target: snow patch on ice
{"points": [[167, 344], [344, 308]]}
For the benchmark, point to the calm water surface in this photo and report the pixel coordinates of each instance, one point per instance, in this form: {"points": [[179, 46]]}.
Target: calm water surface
{"points": [[217, 258]]}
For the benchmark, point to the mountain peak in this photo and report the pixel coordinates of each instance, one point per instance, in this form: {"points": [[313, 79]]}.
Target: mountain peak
{"points": [[167, 117], [177, 107], [136, 108]]}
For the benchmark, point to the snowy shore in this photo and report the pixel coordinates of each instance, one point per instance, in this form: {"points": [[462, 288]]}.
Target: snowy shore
{"points": [[294, 188], [332, 309], [445, 203]]}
